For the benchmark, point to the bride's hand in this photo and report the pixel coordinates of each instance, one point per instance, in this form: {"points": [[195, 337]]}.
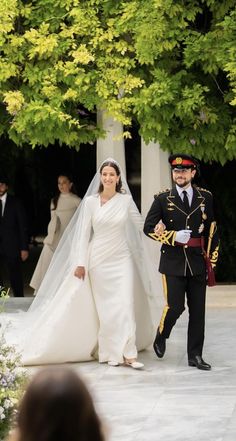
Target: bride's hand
{"points": [[80, 272], [159, 228]]}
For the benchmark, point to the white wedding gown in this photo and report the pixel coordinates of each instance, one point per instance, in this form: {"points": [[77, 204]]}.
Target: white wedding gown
{"points": [[108, 311]]}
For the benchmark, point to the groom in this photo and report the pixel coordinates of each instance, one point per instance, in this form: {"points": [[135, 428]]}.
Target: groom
{"points": [[187, 213]]}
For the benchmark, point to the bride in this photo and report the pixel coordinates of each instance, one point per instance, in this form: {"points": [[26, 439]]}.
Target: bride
{"points": [[94, 299]]}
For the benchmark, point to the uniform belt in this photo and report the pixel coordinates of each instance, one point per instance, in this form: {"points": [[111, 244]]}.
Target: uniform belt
{"points": [[193, 242]]}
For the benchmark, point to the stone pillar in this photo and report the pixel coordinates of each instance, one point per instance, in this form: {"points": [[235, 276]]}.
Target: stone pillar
{"points": [[155, 173], [155, 176], [112, 145]]}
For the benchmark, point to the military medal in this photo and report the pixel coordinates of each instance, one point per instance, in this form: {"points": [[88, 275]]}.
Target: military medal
{"points": [[201, 228], [204, 216]]}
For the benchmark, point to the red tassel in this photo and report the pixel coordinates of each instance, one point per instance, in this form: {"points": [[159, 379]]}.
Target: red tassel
{"points": [[210, 273]]}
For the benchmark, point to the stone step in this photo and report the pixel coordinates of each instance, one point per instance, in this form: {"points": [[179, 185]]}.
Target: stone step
{"points": [[16, 303], [218, 296], [221, 296]]}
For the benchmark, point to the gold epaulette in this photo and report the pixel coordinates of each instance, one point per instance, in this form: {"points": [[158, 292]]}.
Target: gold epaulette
{"points": [[162, 192], [204, 189]]}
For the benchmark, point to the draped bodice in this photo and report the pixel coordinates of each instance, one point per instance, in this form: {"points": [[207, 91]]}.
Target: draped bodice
{"points": [[107, 223]]}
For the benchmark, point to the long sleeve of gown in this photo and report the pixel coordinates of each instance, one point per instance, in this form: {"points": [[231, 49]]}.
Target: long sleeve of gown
{"points": [[84, 236]]}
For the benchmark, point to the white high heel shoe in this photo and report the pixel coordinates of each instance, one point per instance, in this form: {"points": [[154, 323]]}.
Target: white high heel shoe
{"points": [[134, 364], [113, 363]]}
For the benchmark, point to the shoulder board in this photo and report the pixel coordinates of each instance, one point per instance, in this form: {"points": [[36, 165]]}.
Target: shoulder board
{"points": [[162, 192], [204, 189]]}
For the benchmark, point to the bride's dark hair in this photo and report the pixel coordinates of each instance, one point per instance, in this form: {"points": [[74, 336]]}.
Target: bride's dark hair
{"points": [[116, 168]]}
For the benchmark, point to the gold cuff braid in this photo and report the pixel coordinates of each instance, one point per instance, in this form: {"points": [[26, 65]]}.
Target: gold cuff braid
{"points": [[167, 237]]}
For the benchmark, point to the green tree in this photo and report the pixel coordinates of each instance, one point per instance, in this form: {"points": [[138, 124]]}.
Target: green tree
{"points": [[169, 64], [186, 58]]}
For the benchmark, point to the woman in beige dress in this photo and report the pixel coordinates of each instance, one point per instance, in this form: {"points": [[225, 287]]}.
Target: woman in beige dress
{"points": [[63, 206]]}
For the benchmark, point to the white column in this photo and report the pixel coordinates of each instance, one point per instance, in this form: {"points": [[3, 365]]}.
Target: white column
{"points": [[155, 177], [155, 173], [112, 145]]}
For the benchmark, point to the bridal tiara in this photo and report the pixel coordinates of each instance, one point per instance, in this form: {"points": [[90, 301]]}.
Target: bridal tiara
{"points": [[110, 160], [113, 161]]}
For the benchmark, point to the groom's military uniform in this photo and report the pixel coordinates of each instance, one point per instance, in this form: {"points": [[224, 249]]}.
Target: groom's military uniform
{"points": [[176, 259], [183, 265]]}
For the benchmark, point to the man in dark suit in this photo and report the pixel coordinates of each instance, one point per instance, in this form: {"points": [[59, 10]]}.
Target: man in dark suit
{"points": [[187, 214], [13, 237]]}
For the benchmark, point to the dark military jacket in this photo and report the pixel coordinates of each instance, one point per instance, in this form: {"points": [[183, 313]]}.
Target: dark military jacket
{"points": [[169, 208]]}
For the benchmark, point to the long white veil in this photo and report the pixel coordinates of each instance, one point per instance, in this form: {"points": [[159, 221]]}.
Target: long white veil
{"points": [[65, 257], [63, 264]]}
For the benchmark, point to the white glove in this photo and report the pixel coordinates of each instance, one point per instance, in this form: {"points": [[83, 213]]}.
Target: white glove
{"points": [[183, 236]]}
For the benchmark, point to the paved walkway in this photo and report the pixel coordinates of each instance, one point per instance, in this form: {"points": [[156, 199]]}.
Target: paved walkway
{"points": [[167, 400]]}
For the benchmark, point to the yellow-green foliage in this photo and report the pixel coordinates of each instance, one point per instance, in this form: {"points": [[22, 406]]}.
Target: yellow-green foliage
{"points": [[169, 64]]}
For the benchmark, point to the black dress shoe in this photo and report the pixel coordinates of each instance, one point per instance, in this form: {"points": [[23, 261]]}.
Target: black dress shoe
{"points": [[199, 363], [159, 345]]}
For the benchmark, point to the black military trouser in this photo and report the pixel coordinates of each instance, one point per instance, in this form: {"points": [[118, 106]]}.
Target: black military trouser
{"points": [[13, 265], [175, 288]]}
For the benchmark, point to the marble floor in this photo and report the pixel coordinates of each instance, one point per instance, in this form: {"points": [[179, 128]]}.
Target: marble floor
{"points": [[168, 400]]}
